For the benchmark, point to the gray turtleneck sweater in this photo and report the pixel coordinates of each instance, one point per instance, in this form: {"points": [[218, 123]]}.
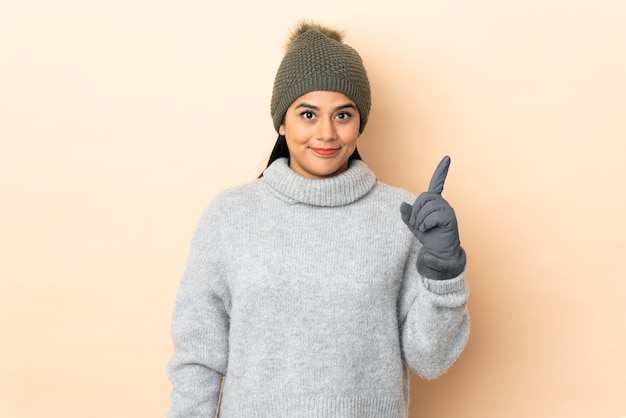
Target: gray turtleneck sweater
{"points": [[304, 296]]}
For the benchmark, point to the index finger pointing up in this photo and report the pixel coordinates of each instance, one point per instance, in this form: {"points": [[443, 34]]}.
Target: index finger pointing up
{"points": [[439, 177]]}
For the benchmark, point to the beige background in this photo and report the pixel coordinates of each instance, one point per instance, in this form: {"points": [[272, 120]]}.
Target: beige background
{"points": [[120, 120]]}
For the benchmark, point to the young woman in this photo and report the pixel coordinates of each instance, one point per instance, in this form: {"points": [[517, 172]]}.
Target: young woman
{"points": [[310, 291]]}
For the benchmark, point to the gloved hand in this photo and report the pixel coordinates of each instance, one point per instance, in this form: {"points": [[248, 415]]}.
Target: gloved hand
{"points": [[432, 219]]}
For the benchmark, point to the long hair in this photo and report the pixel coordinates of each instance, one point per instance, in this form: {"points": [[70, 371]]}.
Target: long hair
{"points": [[281, 150]]}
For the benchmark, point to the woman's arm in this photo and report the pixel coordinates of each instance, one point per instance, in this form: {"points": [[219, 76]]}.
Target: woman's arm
{"points": [[434, 325], [434, 322], [200, 326]]}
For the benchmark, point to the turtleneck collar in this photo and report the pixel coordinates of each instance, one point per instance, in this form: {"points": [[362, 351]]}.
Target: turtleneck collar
{"points": [[339, 190]]}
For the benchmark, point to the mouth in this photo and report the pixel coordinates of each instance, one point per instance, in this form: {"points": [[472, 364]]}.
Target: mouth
{"points": [[325, 152]]}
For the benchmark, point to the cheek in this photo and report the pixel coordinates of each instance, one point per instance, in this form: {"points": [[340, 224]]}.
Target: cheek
{"points": [[350, 139], [297, 134]]}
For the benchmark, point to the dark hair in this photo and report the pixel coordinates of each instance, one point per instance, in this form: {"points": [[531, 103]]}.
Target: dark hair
{"points": [[282, 151]]}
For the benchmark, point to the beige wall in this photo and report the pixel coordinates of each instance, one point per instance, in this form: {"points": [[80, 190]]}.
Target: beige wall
{"points": [[119, 120]]}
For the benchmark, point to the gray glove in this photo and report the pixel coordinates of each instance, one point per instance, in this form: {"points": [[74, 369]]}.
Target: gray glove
{"points": [[432, 220]]}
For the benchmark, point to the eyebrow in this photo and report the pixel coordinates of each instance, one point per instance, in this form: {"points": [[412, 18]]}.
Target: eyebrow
{"points": [[310, 106]]}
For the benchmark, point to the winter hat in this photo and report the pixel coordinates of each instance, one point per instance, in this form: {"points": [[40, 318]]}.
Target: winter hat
{"points": [[317, 59]]}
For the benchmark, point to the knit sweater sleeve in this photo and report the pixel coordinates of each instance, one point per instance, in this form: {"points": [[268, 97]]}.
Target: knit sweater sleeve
{"points": [[199, 328], [434, 323]]}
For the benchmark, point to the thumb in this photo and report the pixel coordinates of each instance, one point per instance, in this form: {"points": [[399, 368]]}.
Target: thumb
{"points": [[405, 212], [439, 177]]}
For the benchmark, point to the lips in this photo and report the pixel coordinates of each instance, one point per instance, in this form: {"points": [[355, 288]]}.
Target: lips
{"points": [[325, 152]]}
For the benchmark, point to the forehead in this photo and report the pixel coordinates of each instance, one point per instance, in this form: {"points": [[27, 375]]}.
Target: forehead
{"points": [[322, 98]]}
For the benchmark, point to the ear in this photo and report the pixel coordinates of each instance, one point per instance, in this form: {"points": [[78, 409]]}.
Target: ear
{"points": [[281, 129]]}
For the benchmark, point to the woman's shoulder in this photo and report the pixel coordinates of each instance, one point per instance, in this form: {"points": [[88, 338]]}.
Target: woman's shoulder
{"points": [[235, 195], [387, 191], [226, 210]]}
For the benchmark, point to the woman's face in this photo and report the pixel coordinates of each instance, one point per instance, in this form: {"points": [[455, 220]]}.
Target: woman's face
{"points": [[321, 129]]}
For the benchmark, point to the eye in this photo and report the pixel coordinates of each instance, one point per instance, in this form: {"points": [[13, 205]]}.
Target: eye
{"points": [[344, 115], [307, 114]]}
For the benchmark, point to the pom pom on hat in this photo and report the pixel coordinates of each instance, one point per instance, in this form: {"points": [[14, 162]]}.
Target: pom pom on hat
{"points": [[305, 26], [317, 59]]}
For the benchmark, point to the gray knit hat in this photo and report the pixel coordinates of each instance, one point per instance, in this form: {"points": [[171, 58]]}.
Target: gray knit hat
{"points": [[317, 59]]}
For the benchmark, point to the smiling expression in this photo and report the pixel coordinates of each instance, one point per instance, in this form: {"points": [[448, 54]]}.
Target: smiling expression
{"points": [[321, 129]]}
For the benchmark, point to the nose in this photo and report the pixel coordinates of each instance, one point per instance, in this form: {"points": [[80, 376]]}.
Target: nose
{"points": [[325, 130]]}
